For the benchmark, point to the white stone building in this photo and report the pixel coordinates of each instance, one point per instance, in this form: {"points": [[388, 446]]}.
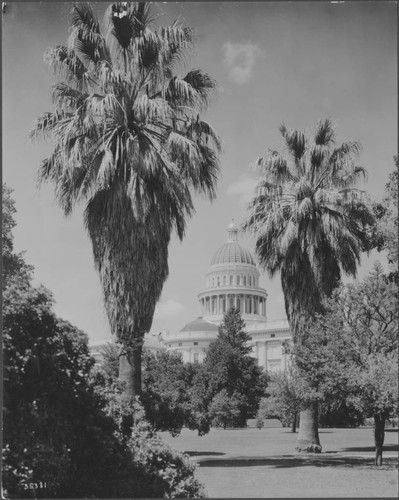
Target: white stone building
{"points": [[232, 280]]}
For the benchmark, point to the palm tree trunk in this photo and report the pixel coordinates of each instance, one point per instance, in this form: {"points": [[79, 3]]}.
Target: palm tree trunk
{"points": [[308, 435], [379, 434], [130, 372]]}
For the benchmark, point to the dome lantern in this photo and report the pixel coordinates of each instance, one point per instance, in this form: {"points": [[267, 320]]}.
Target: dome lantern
{"points": [[232, 231]]}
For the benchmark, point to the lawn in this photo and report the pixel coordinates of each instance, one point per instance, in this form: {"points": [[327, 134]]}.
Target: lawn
{"points": [[253, 463]]}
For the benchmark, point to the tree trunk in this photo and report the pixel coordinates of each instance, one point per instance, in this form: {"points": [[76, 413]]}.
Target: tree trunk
{"points": [[379, 434], [130, 372], [293, 426], [308, 436]]}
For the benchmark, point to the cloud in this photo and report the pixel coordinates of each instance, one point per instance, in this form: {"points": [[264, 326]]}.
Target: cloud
{"points": [[243, 188], [240, 59], [168, 309]]}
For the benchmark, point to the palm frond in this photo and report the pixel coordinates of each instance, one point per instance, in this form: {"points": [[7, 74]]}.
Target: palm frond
{"points": [[325, 133], [203, 84]]}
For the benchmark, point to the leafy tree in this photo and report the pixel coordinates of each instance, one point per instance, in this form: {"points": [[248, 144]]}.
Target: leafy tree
{"points": [[54, 425], [310, 224], [167, 385], [229, 372], [166, 391], [352, 350], [283, 399], [384, 236], [14, 265], [130, 144], [340, 412], [224, 410]]}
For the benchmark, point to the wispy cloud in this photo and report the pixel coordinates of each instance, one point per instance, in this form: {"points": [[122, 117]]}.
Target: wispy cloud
{"points": [[168, 309], [243, 188], [240, 59]]}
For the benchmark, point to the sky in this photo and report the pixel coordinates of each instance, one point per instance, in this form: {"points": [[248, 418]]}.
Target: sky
{"points": [[275, 62]]}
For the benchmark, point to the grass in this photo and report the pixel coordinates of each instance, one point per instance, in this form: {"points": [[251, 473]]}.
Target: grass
{"points": [[252, 463]]}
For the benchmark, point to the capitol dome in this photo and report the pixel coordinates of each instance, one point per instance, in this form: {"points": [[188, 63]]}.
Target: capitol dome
{"points": [[232, 252], [232, 280]]}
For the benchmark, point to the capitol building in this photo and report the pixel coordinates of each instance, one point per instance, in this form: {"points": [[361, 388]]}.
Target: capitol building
{"points": [[232, 280]]}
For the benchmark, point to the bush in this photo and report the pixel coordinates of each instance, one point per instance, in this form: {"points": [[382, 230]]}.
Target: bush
{"points": [[171, 473], [157, 458]]}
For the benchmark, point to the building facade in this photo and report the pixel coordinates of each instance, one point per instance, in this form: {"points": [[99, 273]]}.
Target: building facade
{"points": [[232, 280]]}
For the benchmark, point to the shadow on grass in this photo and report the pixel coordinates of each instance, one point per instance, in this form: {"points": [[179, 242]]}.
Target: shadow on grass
{"points": [[290, 461], [387, 447], [391, 430], [202, 453]]}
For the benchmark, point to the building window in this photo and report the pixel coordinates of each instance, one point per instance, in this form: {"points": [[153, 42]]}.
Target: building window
{"points": [[195, 343], [250, 281], [272, 335], [238, 304], [245, 281], [224, 280], [218, 281], [195, 357], [231, 280], [180, 344], [238, 280]]}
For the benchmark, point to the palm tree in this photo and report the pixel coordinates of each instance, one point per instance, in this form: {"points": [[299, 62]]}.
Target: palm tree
{"points": [[129, 144], [310, 222]]}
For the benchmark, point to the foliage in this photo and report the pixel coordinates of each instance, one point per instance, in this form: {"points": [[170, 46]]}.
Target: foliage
{"points": [[308, 219], [224, 410], [384, 236], [173, 468], [351, 353], [260, 422], [166, 391], [340, 413], [167, 386], [54, 425], [228, 372], [14, 264], [284, 398], [129, 144]]}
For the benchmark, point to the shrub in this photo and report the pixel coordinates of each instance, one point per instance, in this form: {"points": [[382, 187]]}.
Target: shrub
{"points": [[171, 472], [158, 459]]}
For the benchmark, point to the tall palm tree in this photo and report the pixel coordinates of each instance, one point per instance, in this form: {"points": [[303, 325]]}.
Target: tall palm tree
{"points": [[310, 223], [129, 143]]}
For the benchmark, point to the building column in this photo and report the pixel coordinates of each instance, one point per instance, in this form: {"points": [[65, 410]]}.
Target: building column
{"points": [[263, 355]]}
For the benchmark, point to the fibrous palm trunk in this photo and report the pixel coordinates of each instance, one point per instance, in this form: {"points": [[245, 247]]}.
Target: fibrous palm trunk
{"points": [[130, 372], [308, 436], [131, 256], [302, 301]]}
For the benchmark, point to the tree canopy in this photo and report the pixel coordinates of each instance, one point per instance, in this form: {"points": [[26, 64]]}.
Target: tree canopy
{"points": [[351, 352]]}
